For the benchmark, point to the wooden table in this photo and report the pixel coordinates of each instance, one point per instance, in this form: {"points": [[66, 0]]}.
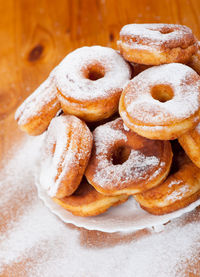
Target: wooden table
{"points": [[36, 35]]}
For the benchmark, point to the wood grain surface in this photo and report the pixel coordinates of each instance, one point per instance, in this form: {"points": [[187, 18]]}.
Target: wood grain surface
{"points": [[36, 35]]}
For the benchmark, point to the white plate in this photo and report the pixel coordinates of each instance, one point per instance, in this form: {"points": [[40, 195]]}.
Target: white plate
{"points": [[126, 217]]}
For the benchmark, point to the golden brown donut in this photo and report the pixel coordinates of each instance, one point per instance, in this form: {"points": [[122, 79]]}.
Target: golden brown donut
{"points": [[162, 102], [181, 188], [86, 201], [195, 60], [36, 112], [65, 154], [190, 142], [123, 162], [155, 44], [90, 81]]}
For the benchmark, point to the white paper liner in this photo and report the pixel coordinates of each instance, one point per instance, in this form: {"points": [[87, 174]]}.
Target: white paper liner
{"points": [[126, 217]]}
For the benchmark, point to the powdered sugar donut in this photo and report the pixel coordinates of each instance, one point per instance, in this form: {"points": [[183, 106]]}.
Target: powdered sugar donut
{"points": [[181, 188], [90, 81], [156, 44], [162, 102], [122, 162], [86, 201], [195, 60], [65, 155], [190, 142], [36, 112]]}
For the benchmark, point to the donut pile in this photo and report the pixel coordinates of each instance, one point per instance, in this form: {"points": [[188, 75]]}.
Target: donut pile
{"points": [[121, 124]]}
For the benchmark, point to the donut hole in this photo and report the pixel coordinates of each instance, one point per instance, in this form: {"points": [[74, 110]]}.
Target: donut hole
{"points": [[120, 155], [162, 93], [165, 31], [94, 72]]}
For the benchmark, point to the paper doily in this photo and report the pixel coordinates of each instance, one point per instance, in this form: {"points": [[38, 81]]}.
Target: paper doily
{"points": [[126, 217]]}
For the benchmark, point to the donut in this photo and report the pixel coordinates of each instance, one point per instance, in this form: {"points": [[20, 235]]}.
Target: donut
{"points": [[181, 188], [36, 112], [190, 142], [155, 44], [65, 154], [195, 60], [90, 81], [162, 102], [86, 201], [123, 162]]}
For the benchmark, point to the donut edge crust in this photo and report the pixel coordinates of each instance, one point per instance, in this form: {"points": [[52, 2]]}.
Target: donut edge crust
{"points": [[165, 132], [92, 209]]}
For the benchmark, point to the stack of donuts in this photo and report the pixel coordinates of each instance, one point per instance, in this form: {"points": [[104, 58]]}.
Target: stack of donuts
{"points": [[121, 123]]}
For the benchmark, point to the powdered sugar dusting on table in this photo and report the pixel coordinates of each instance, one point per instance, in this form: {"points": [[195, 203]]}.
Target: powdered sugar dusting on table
{"points": [[186, 100], [44, 246], [72, 82]]}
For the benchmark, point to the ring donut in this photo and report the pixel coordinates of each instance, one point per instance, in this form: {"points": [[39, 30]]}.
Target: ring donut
{"points": [[124, 163], [155, 44], [195, 60], [162, 102], [90, 81], [86, 201], [36, 112], [181, 188], [190, 142], [66, 151]]}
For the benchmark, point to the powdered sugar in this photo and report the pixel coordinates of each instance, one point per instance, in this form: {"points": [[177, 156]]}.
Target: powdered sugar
{"points": [[185, 102], [51, 160], [62, 150], [157, 34], [198, 128], [138, 167], [34, 104], [106, 135], [174, 183], [178, 193], [135, 168], [126, 128], [72, 82], [37, 244]]}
